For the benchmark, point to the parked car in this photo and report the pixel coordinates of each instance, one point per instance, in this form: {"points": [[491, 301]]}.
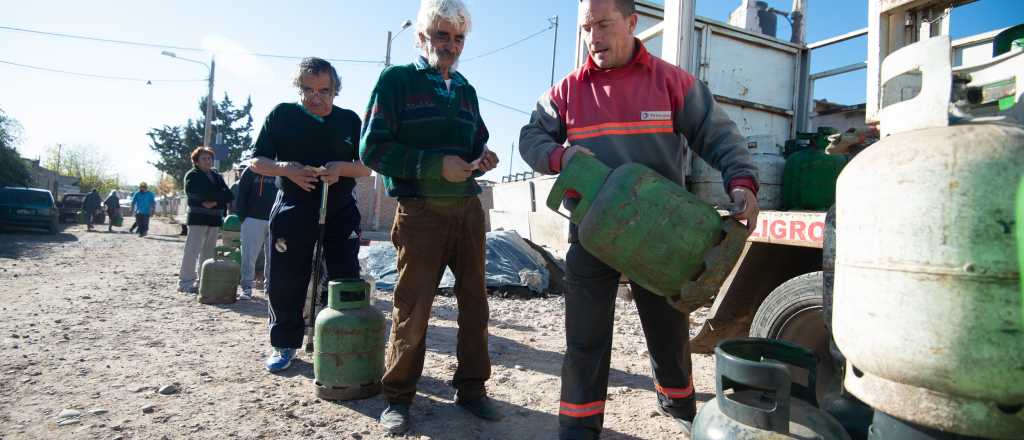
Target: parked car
{"points": [[70, 205], [28, 207]]}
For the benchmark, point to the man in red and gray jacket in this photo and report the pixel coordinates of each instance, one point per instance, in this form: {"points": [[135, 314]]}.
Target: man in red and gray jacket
{"points": [[626, 106]]}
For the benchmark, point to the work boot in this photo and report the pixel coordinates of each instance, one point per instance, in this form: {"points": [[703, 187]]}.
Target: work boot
{"points": [[395, 418], [683, 417], [481, 407]]}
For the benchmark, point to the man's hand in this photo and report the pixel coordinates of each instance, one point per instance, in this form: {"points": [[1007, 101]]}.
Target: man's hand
{"points": [[333, 171], [455, 170], [744, 206], [569, 152], [209, 204], [303, 176], [487, 161]]}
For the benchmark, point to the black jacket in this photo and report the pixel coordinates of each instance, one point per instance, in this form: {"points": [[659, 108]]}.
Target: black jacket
{"points": [[201, 188], [91, 202], [256, 195], [112, 203]]}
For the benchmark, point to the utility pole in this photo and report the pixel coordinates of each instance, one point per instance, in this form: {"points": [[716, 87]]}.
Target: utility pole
{"points": [[59, 147], [378, 182], [511, 156], [208, 133], [554, 49]]}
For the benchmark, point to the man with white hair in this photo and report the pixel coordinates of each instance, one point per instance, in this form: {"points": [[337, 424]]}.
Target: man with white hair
{"points": [[424, 134]]}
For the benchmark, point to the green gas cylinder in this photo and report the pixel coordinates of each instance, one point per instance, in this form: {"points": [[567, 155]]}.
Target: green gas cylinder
{"points": [[763, 401], [650, 229], [231, 232], [218, 280], [348, 356], [809, 178]]}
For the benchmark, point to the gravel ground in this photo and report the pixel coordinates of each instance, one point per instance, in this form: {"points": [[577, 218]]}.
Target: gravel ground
{"points": [[94, 331]]}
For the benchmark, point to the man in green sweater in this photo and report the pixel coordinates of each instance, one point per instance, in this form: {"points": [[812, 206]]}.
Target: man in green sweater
{"points": [[424, 134]]}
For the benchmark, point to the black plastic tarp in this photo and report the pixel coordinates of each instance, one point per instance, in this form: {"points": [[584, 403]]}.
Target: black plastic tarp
{"points": [[510, 262]]}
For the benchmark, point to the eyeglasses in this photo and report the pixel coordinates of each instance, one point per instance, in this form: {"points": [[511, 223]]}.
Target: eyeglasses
{"points": [[322, 94], [445, 37]]}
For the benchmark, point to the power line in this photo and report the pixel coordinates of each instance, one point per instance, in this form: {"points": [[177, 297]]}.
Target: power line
{"points": [[507, 107], [167, 46], [510, 44], [92, 75]]}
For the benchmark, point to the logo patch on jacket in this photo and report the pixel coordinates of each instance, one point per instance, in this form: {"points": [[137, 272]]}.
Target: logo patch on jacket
{"points": [[656, 115]]}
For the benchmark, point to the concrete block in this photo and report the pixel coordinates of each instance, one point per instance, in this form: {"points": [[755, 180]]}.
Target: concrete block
{"points": [[550, 230], [514, 196], [510, 221]]}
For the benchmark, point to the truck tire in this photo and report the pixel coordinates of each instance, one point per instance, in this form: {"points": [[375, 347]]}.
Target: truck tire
{"points": [[793, 312]]}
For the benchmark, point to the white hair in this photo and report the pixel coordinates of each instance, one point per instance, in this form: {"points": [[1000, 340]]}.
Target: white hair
{"points": [[434, 11]]}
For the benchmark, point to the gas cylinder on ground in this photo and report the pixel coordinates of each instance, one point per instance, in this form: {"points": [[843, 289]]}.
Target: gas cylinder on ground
{"points": [[348, 358], [231, 232], [927, 305], [650, 229], [763, 400], [218, 280]]}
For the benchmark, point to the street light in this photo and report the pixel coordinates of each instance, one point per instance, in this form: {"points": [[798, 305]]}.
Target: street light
{"points": [[208, 130], [378, 182], [387, 55]]}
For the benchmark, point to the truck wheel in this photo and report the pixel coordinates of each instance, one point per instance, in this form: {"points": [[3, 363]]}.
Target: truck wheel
{"points": [[793, 312]]}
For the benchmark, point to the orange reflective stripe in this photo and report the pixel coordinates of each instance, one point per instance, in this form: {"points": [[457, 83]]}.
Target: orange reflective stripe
{"points": [[675, 393], [605, 125], [582, 410], [622, 131]]}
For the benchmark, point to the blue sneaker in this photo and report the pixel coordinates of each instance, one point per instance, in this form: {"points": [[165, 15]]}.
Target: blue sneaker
{"points": [[280, 360]]}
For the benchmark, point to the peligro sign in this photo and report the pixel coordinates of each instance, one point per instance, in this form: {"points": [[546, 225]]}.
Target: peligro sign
{"points": [[796, 228]]}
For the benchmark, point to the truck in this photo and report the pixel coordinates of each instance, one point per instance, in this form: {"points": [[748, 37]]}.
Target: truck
{"points": [[766, 86]]}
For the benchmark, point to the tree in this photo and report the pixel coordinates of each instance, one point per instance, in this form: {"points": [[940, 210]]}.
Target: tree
{"points": [[13, 170], [84, 162], [166, 186], [174, 143]]}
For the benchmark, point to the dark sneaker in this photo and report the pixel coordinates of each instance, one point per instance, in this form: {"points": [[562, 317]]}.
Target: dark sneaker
{"points": [[482, 407], [395, 418], [679, 419]]}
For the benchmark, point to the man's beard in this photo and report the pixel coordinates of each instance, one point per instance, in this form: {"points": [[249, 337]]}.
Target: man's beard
{"points": [[434, 57]]}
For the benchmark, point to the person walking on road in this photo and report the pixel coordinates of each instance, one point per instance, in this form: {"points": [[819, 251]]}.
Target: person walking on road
{"points": [[113, 205], [424, 134], [307, 145], [622, 106], [208, 197], [256, 196], [91, 207], [144, 204]]}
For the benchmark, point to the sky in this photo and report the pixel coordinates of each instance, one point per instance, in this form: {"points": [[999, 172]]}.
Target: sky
{"points": [[114, 115]]}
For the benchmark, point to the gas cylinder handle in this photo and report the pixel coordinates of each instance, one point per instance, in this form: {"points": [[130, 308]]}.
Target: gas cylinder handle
{"points": [[583, 174], [761, 364]]}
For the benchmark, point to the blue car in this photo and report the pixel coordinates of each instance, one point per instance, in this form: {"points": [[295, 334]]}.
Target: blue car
{"points": [[28, 207]]}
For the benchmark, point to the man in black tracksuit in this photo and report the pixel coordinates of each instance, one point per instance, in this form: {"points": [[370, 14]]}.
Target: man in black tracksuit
{"points": [[256, 195], [305, 144]]}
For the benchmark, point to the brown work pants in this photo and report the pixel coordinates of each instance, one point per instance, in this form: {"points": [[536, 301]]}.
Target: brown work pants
{"points": [[430, 234]]}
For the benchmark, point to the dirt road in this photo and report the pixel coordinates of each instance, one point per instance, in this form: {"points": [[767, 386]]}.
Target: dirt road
{"points": [[92, 327]]}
